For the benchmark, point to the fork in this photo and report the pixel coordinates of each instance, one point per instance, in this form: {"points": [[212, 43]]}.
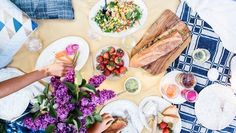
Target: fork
{"points": [[128, 117]]}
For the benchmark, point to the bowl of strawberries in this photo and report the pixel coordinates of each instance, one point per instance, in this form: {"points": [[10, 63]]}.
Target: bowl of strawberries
{"points": [[112, 61]]}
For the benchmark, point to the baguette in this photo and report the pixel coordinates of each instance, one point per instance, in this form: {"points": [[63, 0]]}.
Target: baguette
{"points": [[157, 50]]}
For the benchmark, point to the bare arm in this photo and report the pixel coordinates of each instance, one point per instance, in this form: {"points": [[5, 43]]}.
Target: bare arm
{"points": [[12, 85]]}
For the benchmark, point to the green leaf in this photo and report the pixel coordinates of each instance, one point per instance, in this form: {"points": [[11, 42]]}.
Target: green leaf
{"points": [[77, 124], [52, 111], [71, 87], [69, 120], [90, 120], [89, 88], [97, 117], [50, 128], [78, 78], [128, 15], [36, 115], [83, 83], [40, 98], [46, 90]]}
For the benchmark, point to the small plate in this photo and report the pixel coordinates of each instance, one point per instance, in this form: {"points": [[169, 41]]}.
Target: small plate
{"points": [[13, 105], [169, 78], [216, 106], [117, 108], [131, 30], [163, 104], [47, 57], [125, 58]]}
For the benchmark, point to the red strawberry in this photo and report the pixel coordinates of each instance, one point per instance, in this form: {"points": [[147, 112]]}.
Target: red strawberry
{"points": [[105, 62], [107, 73], [100, 67], [163, 125], [119, 61], [123, 69], [106, 55], [166, 130], [114, 56], [111, 50], [120, 52], [110, 66], [99, 59], [116, 72]]}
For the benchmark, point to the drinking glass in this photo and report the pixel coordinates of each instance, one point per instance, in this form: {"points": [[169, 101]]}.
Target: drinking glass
{"points": [[189, 94], [187, 80], [128, 42], [201, 55], [34, 44]]}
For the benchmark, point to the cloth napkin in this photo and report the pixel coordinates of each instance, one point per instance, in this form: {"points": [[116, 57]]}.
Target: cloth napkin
{"points": [[221, 15], [203, 36]]}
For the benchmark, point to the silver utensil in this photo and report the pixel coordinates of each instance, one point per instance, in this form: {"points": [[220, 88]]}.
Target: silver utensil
{"points": [[128, 117], [154, 126], [104, 9]]}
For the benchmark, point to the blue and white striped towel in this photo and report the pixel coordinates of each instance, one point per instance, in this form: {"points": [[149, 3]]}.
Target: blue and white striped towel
{"points": [[202, 37]]}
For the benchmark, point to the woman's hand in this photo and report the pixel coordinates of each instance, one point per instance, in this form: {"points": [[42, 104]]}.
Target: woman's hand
{"points": [[57, 69], [99, 127]]}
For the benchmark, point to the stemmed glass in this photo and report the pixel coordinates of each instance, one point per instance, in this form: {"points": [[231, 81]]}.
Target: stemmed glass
{"points": [[34, 44]]}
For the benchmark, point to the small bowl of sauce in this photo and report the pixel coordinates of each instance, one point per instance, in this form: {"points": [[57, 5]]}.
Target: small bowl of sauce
{"points": [[132, 85]]}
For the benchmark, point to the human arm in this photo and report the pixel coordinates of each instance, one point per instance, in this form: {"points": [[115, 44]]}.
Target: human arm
{"points": [[99, 127], [12, 85]]}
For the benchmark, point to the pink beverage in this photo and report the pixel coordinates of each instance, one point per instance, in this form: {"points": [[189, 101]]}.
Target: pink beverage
{"points": [[187, 80], [189, 95]]}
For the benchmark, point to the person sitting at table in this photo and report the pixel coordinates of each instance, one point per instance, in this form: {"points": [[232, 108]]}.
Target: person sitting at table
{"points": [[10, 86]]}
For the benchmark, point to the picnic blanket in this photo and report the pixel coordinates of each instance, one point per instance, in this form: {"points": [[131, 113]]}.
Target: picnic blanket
{"points": [[202, 37]]}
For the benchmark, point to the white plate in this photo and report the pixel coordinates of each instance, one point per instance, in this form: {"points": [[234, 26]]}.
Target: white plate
{"points": [[169, 78], [162, 104], [16, 103], [131, 30], [216, 107], [47, 57], [125, 58], [118, 107]]}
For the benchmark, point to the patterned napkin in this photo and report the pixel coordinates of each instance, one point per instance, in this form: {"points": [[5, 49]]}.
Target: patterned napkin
{"points": [[202, 37]]}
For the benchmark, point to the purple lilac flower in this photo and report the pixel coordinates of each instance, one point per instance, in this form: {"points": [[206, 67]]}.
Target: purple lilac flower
{"points": [[96, 80], [65, 128], [63, 110], [39, 123], [83, 128], [72, 49], [70, 76]]}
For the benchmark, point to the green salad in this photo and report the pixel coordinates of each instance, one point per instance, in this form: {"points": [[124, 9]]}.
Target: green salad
{"points": [[119, 16]]}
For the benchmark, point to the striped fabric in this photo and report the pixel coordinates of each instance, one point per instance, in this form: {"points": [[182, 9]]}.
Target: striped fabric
{"points": [[202, 37], [46, 9]]}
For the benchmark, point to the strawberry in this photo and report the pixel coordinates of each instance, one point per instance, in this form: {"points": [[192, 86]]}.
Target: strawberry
{"points": [[120, 52], [107, 73], [110, 66], [106, 55], [116, 72], [105, 62], [119, 61], [123, 69], [111, 50], [114, 56], [166, 130], [99, 59], [163, 125], [100, 67]]}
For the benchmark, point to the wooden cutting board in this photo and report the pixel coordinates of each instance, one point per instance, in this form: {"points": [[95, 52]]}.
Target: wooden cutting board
{"points": [[166, 23]]}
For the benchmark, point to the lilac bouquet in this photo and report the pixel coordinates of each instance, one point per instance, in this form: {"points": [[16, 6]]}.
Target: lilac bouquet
{"points": [[71, 106]]}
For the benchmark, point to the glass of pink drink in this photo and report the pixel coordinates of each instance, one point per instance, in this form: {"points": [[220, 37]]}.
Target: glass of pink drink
{"points": [[189, 94]]}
